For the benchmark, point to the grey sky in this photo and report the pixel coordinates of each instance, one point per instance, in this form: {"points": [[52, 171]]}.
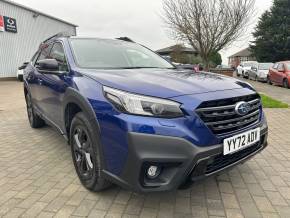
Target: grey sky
{"points": [[137, 19]]}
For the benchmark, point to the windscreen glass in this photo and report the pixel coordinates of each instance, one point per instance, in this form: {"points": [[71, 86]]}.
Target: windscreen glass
{"points": [[114, 54], [265, 66]]}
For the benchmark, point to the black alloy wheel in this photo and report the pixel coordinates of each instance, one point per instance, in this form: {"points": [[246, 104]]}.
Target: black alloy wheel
{"points": [[83, 153], [86, 153]]}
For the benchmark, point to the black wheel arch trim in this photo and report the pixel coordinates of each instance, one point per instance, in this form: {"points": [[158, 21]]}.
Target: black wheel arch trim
{"points": [[75, 97]]}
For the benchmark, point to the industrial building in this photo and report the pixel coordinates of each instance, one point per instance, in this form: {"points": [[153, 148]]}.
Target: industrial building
{"points": [[22, 29]]}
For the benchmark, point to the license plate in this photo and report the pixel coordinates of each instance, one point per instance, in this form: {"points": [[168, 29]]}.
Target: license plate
{"points": [[241, 141]]}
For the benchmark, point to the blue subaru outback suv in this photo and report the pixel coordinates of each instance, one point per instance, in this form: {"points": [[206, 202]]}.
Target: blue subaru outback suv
{"points": [[133, 119]]}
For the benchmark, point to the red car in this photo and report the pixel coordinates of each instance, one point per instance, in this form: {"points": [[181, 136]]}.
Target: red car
{"points": [[279, 74]]}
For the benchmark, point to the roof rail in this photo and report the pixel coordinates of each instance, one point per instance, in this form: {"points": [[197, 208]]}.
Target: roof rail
{"points": [[58, 35], [61, 34], [127, 39]]}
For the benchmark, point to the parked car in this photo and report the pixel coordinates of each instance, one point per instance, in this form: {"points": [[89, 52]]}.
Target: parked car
{"points": [[280, 74], [20, 70], [260, 73], [133, 119], [247, 66]]}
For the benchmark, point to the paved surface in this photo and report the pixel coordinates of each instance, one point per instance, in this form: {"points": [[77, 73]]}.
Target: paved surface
{"points": [[273, 91], [37, 177]]}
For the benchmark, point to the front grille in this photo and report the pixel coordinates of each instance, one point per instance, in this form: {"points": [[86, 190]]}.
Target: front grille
{"points": [[220, 115], [222, 161]]}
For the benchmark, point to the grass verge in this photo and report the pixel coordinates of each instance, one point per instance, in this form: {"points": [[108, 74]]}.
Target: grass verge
{"points": [[269, 102]]}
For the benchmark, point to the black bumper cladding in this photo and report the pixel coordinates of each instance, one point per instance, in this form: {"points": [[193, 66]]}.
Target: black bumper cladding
{"points": [[180, 161]]}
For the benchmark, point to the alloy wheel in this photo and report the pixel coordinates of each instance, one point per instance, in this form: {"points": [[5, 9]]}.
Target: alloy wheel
{"points": [[82, 148]]}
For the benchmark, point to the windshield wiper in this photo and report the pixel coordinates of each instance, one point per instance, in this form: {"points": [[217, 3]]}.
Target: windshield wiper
{"points": [[136, 67]]}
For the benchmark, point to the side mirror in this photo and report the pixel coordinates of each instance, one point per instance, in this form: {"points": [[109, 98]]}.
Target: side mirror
{"points": [[48, 66], [24, 65]]}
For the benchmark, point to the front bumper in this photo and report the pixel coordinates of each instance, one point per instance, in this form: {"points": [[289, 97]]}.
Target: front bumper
{"points": [[262, 78], [180, 160]]}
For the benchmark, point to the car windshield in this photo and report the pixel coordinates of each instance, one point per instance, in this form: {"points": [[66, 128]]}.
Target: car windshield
{"points": [[114, 54], [265, 66], [250, 64]]}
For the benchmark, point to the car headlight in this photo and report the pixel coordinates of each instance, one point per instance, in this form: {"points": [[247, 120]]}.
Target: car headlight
{"points": [[142, 105]]}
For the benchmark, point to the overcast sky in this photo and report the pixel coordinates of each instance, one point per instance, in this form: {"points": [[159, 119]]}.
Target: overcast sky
{"points": [[137, 19]]}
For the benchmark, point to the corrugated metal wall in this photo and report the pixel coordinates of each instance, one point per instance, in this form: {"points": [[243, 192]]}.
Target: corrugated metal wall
{"points": [[16, 48]]}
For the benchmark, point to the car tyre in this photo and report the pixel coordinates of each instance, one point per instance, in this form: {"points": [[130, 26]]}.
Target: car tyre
{"points": [[86, 155], [34, 119], [269, 81], [286, 84], [20, 78]]}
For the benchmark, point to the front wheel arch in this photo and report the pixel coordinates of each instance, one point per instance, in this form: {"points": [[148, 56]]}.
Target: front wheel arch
{"points": [[80, 104], [73, 97]]}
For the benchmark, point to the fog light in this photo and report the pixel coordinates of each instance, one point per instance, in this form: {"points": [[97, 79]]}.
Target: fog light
{"points": [[153, 172]]}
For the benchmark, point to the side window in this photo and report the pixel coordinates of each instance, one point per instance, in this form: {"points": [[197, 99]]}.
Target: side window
{"points": [[275, 66], [281, 67], [44, 54], [57, 53]]}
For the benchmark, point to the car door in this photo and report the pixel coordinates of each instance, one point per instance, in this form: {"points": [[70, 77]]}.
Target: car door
{"points": [[273, 73], [253, 71], [280, 73], [33, 76], [53, 86]]}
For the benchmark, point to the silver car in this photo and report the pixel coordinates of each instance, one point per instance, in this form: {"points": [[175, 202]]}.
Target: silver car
{"points": [[247, 66], [260, 71]]}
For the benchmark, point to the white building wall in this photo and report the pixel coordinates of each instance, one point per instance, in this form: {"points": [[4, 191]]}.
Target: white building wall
{"points": [[16, 48]]}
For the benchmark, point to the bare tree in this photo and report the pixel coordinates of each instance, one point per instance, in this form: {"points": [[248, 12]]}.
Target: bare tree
{"points": [[208, 25]]}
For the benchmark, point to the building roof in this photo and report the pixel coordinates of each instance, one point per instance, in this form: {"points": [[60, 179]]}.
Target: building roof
{"points": [[243, 53], [37, 12], [171, 49]]}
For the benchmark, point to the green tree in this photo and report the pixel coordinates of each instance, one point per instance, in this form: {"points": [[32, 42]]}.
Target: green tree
{"points": [[272, 34], [215, 59]]}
